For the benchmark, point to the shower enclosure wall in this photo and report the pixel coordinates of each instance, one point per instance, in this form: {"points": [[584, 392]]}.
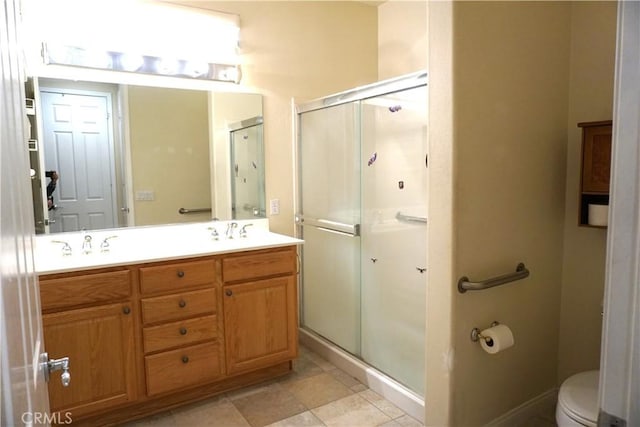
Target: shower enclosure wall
{"points": [[362, 168]]}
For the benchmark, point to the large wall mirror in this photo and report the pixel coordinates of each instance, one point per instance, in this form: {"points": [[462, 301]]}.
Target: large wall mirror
{"points": [[128, 155]]}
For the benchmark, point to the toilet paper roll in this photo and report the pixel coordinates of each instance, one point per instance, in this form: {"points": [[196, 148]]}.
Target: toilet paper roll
{"points": [[496, 339], [599, 215]]}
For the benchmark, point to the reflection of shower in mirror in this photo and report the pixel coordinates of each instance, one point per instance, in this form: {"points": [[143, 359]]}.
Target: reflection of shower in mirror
{"points": [[248, 183]]}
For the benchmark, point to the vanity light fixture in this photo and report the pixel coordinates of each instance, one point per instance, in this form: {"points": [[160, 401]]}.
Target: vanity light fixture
{"points": [[202, 44], [130, 62]]}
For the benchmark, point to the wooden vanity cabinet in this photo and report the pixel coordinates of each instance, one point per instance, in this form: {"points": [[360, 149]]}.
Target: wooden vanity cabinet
{"points": [[90, 318], [260, 309], [179, 308], [147, 337]]}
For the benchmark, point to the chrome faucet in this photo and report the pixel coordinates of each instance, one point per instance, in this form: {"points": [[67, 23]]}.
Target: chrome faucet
{"points": [[243, 230], [86, 244], [230, 227]]}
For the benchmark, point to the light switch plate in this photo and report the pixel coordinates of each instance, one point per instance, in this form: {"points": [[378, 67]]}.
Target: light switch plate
{"points": [[145, 195], [274, 206]]}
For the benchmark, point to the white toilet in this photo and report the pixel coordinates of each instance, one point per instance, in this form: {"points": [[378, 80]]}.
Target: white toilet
{"points": [[578, 400]]}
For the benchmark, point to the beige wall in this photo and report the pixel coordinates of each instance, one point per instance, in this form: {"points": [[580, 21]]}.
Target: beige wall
{"points": [[169, 134], [593, 38], [510, 114], [439, 352], [300, 50], [402, 38]]}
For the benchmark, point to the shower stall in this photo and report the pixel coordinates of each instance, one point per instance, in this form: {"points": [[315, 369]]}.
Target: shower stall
{"points": [[362, 205]]}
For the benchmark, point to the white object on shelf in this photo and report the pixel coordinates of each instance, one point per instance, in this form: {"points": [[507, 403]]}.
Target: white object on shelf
{"points": [[599, 215]]}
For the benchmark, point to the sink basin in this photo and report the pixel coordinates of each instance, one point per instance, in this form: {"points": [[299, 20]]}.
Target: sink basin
{"points": [[152, 243]]}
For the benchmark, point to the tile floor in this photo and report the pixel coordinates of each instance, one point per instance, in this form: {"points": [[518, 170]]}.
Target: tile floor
{"points": [[315, 394]]}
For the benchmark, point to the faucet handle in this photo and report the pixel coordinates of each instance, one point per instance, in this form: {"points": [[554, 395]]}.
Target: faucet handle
{"points": [[105, 246], [214, 233], [66, 249], [243, 230]]}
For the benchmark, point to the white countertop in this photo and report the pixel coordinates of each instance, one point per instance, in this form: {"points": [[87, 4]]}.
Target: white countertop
{"points": [[151, 244]]}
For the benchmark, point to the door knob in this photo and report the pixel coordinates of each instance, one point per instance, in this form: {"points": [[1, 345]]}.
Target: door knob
{"points": [[51, 365]]}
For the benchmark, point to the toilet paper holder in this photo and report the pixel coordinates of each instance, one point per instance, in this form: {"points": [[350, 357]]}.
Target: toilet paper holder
{"points": [[476, 335]]}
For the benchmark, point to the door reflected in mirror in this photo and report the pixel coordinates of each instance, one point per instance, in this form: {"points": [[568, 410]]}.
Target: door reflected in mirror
{"points": [[134, 155]]}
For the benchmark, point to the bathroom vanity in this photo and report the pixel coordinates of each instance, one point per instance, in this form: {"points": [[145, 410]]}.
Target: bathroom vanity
{"points": [[167, 328]]}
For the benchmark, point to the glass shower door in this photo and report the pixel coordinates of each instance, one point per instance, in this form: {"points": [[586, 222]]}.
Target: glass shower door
{"points": [[329, 216], [394, 234]]}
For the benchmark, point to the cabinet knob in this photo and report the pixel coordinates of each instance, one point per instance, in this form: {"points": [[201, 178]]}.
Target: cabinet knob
{"points": [[126, 310], [185, 359], [183, 331], [182, 303], [228, 292], [180, 273]]}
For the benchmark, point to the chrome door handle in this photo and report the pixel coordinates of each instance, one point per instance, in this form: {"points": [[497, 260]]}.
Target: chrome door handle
{"points": [[52, 365]]}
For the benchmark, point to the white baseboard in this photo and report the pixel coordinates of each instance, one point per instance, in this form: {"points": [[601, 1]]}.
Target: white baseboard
{"points": [[527, 410]]}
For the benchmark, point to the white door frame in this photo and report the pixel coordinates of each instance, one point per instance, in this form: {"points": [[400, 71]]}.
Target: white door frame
{"points": [[619, 392]]}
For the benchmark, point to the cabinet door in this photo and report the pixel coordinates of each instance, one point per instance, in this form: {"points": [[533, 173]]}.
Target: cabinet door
{"points": [[99, 342], [260, 321], [596, 161]]}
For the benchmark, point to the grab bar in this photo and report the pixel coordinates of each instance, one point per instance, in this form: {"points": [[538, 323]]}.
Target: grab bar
{"points": [[465, 285], [408, 218], [183, 211]]}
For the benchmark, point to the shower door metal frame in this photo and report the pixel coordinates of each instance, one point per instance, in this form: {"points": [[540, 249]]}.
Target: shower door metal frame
{"points": [[402, 83]]}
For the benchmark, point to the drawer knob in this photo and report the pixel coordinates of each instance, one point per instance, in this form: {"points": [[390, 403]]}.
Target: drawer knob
{"points": [[228, 292], [180, 273], [183, 331], [126, 310], [182, 303], [185, 359]]}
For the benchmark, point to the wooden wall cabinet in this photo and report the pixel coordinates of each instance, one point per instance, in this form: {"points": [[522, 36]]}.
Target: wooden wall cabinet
{"points": [[595, 169], [90, 319]]}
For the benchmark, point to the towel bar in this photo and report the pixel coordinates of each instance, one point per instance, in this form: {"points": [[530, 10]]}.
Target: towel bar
{"points": [[465, 285], [410, 218], [183, 211]]}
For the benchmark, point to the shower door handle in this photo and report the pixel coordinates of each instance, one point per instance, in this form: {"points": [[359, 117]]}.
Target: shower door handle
{"points": [[327, 224]]}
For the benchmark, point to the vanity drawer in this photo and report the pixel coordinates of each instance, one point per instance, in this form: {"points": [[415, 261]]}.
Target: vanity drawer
{"points": [[182, 333], [259, 264], [84, 289], [176, 276], [181, 368], [178, 306]]}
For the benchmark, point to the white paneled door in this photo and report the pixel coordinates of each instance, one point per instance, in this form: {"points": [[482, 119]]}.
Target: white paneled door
{"points": [[23, 388], [78, 145]]}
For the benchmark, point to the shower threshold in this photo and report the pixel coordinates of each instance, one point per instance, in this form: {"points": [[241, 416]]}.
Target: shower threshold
{"points": [[396, 393]]}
